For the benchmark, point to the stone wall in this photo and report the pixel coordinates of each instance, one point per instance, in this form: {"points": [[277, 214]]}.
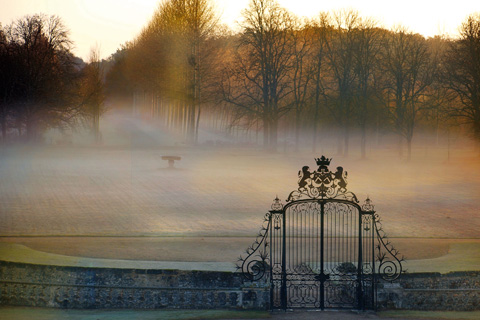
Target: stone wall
{"points": [[77, 287], [458, 291]]}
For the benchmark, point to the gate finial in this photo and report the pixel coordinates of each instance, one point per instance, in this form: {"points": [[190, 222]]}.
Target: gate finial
{"points": [[277, 204], [368, 205]]}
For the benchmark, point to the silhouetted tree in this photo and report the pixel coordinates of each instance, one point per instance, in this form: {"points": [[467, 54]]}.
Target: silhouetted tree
{"points": [[410, 69], [438, 96], [93, 92], [340, 53], [349, 73], [257, 81], [40, 86], [320, 27], [170, 58], [462, 74], [301, 74], [7, 81], [366, 60], [118, 85]]}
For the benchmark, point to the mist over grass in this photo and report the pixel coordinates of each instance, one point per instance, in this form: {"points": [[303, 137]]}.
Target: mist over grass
{"points": [[225, 185]]}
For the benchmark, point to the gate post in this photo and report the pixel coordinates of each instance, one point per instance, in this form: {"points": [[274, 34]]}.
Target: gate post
{"points": [[283, 290], [270, 231], [361, 301]]}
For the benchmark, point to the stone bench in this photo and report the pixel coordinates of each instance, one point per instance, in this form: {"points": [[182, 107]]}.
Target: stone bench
{"points": [[171, 160]]}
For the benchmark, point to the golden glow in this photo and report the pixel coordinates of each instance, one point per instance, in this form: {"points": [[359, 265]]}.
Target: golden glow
{"points": [[110, 23]]}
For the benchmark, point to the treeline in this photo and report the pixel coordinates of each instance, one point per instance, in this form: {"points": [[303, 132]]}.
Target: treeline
{"points": [[42, 84], [279, 72], [278, 75]]}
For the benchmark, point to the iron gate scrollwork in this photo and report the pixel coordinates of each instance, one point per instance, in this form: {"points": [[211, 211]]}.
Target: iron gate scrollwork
{"points": [[322, 249]]}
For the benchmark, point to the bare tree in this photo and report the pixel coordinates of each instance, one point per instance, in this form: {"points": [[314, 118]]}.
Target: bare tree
{"points": [[118, 86], [257, 83], [188, 25], [438, 96], [301, 75], [42, 74], [169, 63], [320, 27], [410, 69], [462, 74], [366, 59], [340, 53], [7, 81], [93, 92]]}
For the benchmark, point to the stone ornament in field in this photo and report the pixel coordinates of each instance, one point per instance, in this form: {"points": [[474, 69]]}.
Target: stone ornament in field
{"points": [[171, 160]]}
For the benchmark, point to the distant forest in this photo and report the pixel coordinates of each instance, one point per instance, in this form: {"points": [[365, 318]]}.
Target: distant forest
{"points": [[277, 74]]}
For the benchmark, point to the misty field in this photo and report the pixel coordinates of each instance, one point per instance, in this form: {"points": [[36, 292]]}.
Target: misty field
{"points": [[123, 202]]}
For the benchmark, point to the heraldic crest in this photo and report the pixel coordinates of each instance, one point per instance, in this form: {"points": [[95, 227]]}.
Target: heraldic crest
{"points": [[322, 183]]}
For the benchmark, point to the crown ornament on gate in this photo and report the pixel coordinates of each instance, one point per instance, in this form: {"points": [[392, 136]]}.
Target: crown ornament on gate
{"points": [[322, 183], [323, 162]]}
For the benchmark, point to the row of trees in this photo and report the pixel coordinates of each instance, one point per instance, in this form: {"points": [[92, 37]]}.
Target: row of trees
{"points": [[339, 70], [172, 60], [277, 73], [42, 84]]}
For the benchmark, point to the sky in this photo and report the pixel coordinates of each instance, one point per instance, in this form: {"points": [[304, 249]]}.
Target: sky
{"points": [[108, 24]]}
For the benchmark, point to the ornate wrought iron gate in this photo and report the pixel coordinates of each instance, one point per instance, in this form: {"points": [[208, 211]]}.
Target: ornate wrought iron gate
{"points": [[322, 249]]}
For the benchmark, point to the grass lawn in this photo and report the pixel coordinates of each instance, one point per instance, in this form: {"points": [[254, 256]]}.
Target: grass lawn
{"points": [[24, 313], [21, 313], [209, 253], [410, 314]]}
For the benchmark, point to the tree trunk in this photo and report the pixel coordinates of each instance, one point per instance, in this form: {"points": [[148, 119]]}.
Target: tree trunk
{"points": [[409, 149], [448, 146], [476, 134], [197, 125], [339, 145], [4, 127], [346, 139], [297, 130], [317, 107], [266, 133], [314, 145], [30, 128], [273, 135], [191, 124], [96, 124], [363, 142], [400, 146], [183, 118]]}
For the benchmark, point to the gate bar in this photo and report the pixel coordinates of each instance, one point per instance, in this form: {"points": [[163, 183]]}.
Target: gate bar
{"points": [[322, 249]]}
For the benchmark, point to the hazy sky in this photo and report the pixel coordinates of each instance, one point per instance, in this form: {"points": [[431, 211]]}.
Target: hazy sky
{"points": [[110, 23]]}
